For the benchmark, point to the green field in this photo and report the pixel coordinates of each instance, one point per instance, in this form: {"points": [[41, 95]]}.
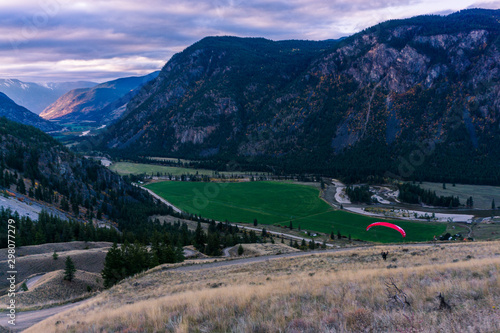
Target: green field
{"points": [[280, 202], [481, 194], [127, 168]]}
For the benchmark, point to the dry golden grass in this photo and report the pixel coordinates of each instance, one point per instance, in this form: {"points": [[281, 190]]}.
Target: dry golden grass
{"points": [[52, 289], [262, 249], [329, 292]]}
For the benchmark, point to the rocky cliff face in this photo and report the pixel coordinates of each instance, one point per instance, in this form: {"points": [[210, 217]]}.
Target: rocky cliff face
{"points": [[361, 104]]}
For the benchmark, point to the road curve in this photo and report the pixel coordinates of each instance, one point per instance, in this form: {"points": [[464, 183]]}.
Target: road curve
{"points": [[27, 319], [177, 210], [242, 261]]}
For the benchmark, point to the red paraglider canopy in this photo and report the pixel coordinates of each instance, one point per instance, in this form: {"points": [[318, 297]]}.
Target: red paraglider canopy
{"points": [[389, 225]]}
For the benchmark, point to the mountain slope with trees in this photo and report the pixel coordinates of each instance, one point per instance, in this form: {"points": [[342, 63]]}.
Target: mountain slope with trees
{"points": [[17, 113], [34, 164], [103, 103], [412, 97]]}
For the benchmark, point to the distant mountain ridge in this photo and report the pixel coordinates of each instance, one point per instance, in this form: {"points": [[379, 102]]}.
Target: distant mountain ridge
{"points": [[413, 97], [10, 110], [102, 104], [36, 97]]}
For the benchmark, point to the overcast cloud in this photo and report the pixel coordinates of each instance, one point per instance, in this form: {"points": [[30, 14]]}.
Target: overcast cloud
{"points": [[66, 40]]}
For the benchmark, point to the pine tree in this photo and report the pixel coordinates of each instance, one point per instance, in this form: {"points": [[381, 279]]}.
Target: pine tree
{"points": [[113, 267], [254, 222], [240, 250], [199, 238], [213, 245], [291, 225], [69, 271], [55, 256], [21, 188]]}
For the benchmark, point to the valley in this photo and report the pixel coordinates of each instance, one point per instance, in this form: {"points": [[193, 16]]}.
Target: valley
{"points": [[247, 184], [277, 203]]}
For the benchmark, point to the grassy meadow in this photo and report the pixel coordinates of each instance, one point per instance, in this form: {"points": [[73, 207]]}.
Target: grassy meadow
{"points": [[481, 194], [344, 291], [129, 168], [278, 203]]}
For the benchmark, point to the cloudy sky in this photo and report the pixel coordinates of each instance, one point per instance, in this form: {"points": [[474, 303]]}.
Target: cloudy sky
{"points": [[98, 40]]}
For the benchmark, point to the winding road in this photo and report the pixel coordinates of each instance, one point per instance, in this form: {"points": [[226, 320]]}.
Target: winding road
{"points": [[27, 319]]}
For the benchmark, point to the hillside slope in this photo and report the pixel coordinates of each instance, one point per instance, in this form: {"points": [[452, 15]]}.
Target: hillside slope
{"points": [[412, 96], [353, 290], [103, 103], [17, 113], [34, 164]]}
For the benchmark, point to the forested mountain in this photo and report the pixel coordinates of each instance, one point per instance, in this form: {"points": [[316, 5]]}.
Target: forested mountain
{"points": [[35, 164], [17, 113], [416, 97], [103, 103], [36, 97]]}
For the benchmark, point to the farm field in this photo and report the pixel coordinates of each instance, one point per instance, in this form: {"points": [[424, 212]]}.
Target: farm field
{"points": [[278, 203], [481, 194], [128, 168]]}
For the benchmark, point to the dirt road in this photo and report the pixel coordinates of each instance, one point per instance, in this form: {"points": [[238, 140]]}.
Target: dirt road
{"points": [[32, 281], [177, 210], [30, 318]]}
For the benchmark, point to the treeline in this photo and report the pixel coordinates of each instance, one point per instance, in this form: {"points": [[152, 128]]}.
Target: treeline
{"points": [[166, 247], [221, 235], [52, 229], [414, 194], [131, 259], [359, 194]]}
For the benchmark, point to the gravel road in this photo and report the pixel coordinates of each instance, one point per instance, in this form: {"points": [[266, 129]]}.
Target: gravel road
{"points": [[30, 318], [27, 319]]}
